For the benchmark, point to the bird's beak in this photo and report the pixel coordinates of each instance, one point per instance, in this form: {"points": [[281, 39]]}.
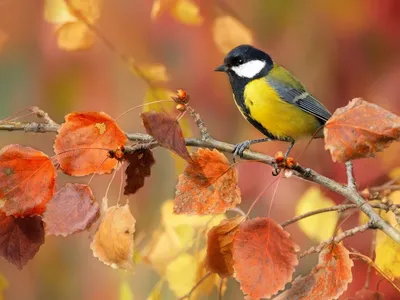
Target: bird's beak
{"points": [[221, 68]]}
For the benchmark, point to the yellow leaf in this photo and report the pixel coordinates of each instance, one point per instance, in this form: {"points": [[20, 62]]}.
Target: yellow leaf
{"points": [[229, 33], [387, 254], [156, 94], [321, 226], [181, 274], [74, 36], [90, 9], [113, 242], [159, 7], [167, 245], [56, 12], [3, 285], [154, 72], [187, 12], [3, 39], [125, 292], [395, 173], [155, 293], [169, 219]]}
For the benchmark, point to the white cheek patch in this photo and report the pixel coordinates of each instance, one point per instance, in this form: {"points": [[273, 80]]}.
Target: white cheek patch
{"points": [[249, 69]]}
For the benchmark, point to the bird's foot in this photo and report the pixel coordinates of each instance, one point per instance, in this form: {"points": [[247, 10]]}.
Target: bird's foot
{"points": [[239, 149]]}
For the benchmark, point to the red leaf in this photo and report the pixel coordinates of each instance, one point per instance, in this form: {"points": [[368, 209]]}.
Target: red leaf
{"points": [[140, 163], [360, 129], [207, 186], [265, 257], [83, 131], [27, 180], [365, 294], [166, 130], [328, 280], [20, 238], [72, 209], [219, 247]]}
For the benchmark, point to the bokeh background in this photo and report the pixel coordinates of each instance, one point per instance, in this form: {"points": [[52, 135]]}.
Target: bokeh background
{"points": [[339, 49]]}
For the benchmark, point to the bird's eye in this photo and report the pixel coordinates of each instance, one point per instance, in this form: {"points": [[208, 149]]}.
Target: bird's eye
{"points": [[240, 61]]}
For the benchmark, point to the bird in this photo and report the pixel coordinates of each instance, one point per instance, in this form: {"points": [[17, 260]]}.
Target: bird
{"points": [[271, 99]]}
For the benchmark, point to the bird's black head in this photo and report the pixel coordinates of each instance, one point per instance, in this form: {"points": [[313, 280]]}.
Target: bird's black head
{"points": [[246, 62]]}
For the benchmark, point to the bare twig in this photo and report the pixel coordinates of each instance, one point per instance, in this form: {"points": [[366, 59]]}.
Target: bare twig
{"points": [[199, 122], [338, 208], [351, 182], [337, 238], [145, 141]]}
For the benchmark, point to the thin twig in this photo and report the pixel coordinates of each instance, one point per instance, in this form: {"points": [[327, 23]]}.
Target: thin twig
{"points": [[337, 238], [200, 124], [299, 171], [351, 182], [187, 296]]}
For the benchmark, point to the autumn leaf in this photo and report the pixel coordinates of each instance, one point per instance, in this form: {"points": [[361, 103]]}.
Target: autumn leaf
{"points": [[207, 186], [152, 72], [321, 226], [3, 285], [140, 163], [74, 36], [113, 242], [166, 130], [365, 294], [219, 246], [83, 142], [228, 33], [156, 292], [327, 280], [187, 12], [20, 238], [154, 94], [27, 180], [387, 255], [3, 39], [265, 257], [181, 274], [359, 130], [73, 209]]}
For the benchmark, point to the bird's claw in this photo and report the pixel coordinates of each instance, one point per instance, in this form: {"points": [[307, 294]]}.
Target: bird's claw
{"points": [[239, 149]]}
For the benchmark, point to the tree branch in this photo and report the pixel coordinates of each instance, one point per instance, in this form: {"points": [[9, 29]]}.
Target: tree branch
{"points": [[305, 173], [351, 182]]}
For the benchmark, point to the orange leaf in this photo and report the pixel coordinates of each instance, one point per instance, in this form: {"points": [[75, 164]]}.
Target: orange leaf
{"points": [[207, 186], [27, 180], [20, 238], [72, 209], [365, 294], [360, 129], [83, 131], [166, 130], [140, 163], [327, 280], [219, 247], [113, 241], [265, 257]]}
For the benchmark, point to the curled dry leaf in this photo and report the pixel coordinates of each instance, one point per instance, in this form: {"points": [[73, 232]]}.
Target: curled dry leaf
{"points": [[27, 180], [359, 130], [219, 246], [264, 257], [140, 163], [72, 209], [327, 280], [166, 130], [83, 142], [207, 186], [228, 33], [20, 238], [365, 294], [113, 242]]}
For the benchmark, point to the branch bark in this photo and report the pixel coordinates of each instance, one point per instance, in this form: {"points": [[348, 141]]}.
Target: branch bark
{"points": [[305, 173]]}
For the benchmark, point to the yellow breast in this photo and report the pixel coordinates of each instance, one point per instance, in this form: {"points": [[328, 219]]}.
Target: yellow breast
{"points": [[281, 119]]}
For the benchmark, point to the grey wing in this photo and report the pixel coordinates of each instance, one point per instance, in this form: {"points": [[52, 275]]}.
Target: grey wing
{"points": [[302, 99]]}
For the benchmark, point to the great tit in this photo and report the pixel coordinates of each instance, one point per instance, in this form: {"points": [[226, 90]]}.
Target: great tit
{"points": [[271, 99]]}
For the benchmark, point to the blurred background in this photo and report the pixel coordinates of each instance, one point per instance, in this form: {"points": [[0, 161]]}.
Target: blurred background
{"points": [[339, 49]]}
